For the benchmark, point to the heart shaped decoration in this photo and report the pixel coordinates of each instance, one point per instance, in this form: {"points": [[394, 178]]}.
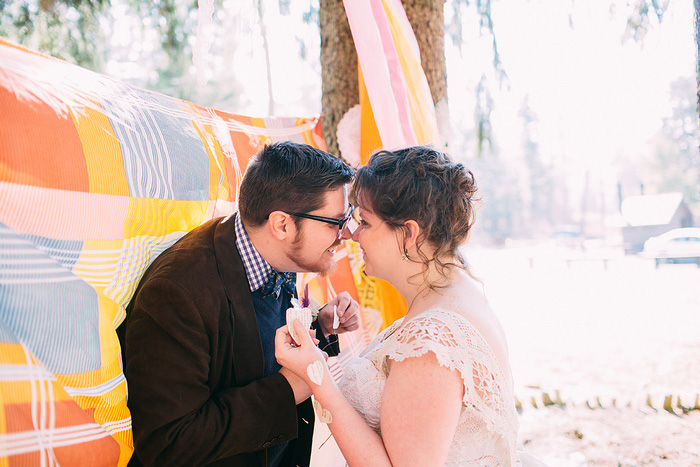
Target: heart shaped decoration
{"points": [[303, 315], [315, 372], [324, 416]]}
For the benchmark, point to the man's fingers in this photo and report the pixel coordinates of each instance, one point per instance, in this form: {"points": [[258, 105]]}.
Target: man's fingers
{"points": [[344, 302], [350, 312], [352, 319], [351, 324]]}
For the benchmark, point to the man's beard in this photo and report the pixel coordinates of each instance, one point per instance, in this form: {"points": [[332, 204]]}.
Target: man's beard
{"points": [[319, 266]]}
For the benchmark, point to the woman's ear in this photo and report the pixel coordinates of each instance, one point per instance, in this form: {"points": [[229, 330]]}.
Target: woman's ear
{"points": [[281, 225], [413, 231]]}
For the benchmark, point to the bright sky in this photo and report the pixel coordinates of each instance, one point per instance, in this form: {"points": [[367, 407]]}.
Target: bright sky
{"points": [[296, 82], [595, 98]]}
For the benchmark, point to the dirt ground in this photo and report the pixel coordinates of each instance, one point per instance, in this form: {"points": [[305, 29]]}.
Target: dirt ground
{"points": [[614, 340], [580, 436]]}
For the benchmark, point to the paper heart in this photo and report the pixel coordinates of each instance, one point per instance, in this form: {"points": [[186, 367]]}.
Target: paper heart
{"points": [[324, 416], [303, 315], [315, 372]]}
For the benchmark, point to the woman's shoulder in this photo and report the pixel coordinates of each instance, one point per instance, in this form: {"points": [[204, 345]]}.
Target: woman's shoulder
{"points": [[438, 323], [458, 344], [450, 335], [437, 330]]}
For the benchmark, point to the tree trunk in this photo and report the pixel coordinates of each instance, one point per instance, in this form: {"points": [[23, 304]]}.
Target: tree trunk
{"points": [[339, 59], [339, 81], [428, 21]]}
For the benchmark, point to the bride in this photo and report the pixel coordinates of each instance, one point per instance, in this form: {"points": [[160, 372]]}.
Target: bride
{"points": [[435, 387]]}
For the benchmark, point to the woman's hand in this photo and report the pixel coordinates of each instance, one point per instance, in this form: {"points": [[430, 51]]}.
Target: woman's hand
{"points": [[297, 358]]}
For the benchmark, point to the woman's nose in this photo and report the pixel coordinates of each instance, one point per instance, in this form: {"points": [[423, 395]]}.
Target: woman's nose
{"points": [[356, 233], [347, 232]]}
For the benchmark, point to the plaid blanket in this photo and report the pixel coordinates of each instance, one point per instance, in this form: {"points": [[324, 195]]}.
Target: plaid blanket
{"points": [[96, 179]]}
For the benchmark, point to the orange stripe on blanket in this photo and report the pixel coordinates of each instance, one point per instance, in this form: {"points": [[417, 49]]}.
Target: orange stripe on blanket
{"points": [[70, 434], [38, 147]]}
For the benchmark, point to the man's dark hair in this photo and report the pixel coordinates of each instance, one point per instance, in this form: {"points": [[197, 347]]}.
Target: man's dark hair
{"points": [[288, 177]]}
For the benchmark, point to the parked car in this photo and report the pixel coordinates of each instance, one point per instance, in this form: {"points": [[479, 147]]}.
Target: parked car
{"points": [[568, 236], [675, 246]]}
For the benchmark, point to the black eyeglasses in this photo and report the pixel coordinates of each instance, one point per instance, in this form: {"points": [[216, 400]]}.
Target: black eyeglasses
{"points": [[329, 220]]}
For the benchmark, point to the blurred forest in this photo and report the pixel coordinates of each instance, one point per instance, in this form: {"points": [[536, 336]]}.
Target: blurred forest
{"points": [[193, 50]]}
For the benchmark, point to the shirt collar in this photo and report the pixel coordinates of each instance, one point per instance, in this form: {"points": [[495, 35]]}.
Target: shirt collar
{"points": [[256, 268]]}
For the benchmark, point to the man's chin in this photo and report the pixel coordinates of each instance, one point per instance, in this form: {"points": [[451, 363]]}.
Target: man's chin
{"points": [[328, 271], [322, 268]]}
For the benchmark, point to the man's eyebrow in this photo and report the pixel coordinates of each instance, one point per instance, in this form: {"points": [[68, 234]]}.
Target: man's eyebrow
{"points": [[342, 214], [339, 216]]}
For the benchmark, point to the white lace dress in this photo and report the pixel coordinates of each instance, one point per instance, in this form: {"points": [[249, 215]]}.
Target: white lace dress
{"points": [[488, 424]]}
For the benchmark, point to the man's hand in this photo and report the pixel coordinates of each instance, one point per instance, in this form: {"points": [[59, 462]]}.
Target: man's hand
{"points": [[347, 310], [300, 388]]}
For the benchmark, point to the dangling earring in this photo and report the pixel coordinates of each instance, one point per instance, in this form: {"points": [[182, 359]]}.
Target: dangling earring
{"points": [[404, 256]]}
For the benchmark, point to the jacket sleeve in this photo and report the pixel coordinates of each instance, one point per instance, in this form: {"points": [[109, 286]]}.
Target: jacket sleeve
{"points": [[177, 419]]}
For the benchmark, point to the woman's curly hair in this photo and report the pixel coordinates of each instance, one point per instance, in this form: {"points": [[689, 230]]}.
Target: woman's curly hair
{"points": [[425, 185]]}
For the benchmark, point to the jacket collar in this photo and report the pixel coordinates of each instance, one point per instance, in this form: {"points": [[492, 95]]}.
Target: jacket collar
{"points": [[247, 347]]}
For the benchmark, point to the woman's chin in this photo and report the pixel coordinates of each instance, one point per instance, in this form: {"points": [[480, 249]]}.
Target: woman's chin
{"points": [[370, 271]]}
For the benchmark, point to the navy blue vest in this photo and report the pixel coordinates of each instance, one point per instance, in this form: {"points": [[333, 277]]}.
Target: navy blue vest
{"points": [[271, 314]]}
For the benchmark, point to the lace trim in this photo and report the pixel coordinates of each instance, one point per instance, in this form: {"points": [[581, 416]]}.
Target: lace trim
{"points": [[458, 345]]}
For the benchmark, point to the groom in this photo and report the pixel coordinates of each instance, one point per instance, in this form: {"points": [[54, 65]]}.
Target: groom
{"points": [[198, 339]]}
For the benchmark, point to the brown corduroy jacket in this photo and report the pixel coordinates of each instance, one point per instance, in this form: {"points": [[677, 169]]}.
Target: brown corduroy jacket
{"points": [[193, 361]]}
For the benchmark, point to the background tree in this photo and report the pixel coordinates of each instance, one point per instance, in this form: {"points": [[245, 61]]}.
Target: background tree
{"points": [[339, 77], [676, 162], [339, 59], [152, 44], [67, 29], [538, 173]]}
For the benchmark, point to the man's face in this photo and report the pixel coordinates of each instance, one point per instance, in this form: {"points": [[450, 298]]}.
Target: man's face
{"points": [[314, 245]]}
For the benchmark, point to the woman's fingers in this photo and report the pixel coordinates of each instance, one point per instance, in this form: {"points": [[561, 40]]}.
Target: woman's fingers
{"points": [[302, 333], [283, 342]]}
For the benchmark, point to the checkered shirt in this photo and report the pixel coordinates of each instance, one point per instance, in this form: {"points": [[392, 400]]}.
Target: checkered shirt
{"points": [[256, 268]]}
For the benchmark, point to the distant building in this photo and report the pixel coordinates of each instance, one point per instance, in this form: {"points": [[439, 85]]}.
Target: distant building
{"points": [[647, 216]]}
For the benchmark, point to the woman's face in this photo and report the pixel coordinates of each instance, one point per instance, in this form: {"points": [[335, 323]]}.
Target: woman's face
{"points": [[378, 243]]}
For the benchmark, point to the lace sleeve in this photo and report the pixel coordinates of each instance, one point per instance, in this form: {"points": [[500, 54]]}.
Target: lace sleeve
{"points": [[458, 345]]}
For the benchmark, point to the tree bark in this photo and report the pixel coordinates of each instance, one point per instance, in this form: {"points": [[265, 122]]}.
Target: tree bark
{"points": [[339, 59], [339, 81], [428, 22]]}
